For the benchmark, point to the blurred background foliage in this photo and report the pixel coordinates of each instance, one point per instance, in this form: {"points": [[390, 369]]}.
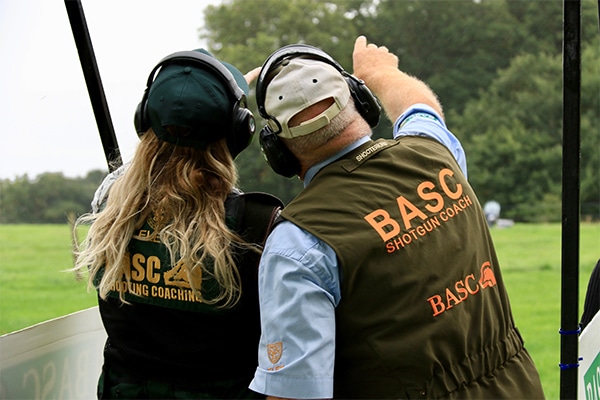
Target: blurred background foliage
{"points": [[496, 66]]}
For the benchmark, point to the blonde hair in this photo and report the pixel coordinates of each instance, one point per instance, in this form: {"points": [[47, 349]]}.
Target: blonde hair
{"points": [[186, 189]]}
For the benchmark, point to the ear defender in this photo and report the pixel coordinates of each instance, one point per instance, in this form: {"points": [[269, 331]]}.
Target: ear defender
{"points": [[141, 124], [365, 101], [279, 157], [243, 125]]}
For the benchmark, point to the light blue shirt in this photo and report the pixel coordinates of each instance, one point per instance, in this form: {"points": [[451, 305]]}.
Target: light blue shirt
{"points": [[300, 287]]}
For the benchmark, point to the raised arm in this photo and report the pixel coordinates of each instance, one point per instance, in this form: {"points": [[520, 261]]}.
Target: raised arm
{"points": [[396, 90]]}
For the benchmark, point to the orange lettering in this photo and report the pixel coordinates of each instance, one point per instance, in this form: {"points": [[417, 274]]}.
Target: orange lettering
{"points": [[453, 195], [463, 289], [450, 297], [436, 304], [385, 226], [471, 277], [403, 205], [394, 245], [488, 279], [435, 196], [460, 289], [467, 200]]}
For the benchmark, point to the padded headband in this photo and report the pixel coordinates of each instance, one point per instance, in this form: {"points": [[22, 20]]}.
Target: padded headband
{"points": [[207, 61]]}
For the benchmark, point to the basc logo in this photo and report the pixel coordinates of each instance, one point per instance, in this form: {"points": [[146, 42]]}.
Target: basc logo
{"points": [[275, 350], [463, 289]]}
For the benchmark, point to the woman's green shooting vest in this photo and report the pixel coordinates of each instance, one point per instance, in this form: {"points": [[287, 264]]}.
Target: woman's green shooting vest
{"points": [[167, 343]]}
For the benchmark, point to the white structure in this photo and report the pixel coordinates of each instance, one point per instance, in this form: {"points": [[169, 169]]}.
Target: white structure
{"points": [[57, 359]]}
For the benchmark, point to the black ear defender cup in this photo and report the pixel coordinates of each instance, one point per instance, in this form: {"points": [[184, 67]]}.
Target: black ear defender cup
{"points": [[281, 160], [243, 126], [365, 101], [279, 157]]}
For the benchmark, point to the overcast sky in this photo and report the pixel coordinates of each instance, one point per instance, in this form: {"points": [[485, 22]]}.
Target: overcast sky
{"points": [[46, 118]]}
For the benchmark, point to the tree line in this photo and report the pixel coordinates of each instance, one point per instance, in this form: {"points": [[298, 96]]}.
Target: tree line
{"points": [[496, 66], [46, 199]]}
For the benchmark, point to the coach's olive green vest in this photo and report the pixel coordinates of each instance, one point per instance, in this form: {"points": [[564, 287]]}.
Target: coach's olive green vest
{"points": [[424, 312]]}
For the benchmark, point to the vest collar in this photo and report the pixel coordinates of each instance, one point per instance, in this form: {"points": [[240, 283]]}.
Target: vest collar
{"points": [[312, 171]]}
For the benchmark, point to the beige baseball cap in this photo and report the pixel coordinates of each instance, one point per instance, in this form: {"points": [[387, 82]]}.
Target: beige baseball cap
{"points": [[299, 84]]}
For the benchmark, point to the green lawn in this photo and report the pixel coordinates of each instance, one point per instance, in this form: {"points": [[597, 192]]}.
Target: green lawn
{"points": [[33, 287], [530, 257]]}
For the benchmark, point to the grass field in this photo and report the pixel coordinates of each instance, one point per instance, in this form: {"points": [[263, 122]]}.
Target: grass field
{"points": [[33, 288]]}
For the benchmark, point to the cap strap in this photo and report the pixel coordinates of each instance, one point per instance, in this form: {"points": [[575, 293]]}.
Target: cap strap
{"points": [[318, 122]]}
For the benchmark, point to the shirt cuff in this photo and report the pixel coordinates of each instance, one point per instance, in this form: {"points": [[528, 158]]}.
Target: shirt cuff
{"points": [[273, 384], [415, 109]]}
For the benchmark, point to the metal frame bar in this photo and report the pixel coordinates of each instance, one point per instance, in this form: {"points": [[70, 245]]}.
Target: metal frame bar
{"points": [[94, 83], [569, 349]]}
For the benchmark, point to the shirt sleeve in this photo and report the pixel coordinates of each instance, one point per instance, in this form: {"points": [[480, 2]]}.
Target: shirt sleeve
{"points": [[101, 193], [299, 290], [422, 120]]}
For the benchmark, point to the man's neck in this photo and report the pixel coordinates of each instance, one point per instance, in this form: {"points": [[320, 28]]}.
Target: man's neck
{"points": [[356, 130]]}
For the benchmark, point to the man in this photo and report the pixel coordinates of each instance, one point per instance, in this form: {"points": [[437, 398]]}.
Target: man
{"points": [[382, 280]]}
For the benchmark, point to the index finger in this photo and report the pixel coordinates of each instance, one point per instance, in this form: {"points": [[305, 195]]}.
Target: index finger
{"points": [[252, 75], [361, 42]]}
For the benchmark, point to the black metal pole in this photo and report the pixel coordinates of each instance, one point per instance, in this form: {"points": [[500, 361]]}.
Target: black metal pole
{"points": [[569, 353], [94, 83]]}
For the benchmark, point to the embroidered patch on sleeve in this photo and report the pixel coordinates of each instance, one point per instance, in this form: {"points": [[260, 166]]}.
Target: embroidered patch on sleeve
{"points": [[275, 350], [418, 114]]}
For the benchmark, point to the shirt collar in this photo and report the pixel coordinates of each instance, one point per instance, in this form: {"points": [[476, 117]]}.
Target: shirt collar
{"points": [[312, 171]]}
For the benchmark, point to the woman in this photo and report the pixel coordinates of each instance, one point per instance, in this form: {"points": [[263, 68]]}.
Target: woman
{"points": [[173, 251]]}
